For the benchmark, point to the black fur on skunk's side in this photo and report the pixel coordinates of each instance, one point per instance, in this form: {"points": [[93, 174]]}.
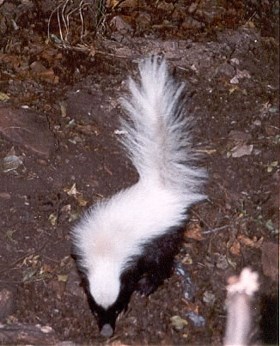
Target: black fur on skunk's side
{"points": [[128, 242]]}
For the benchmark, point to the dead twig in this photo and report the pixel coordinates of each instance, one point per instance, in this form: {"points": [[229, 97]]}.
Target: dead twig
{"points": [[217, 229]]}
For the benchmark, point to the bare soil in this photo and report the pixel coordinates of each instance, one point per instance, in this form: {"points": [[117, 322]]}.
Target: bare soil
{"points": [[59, 154]]}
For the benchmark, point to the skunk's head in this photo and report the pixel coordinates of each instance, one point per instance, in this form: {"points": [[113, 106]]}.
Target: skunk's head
{"points": [[108, 294], [107, 315]]}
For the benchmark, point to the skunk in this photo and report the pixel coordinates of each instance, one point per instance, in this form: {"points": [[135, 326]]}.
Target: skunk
{"points": [[128, 242]]}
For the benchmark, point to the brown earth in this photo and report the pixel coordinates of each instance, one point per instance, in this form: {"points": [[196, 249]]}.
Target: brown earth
{"points": [[59, 154]]}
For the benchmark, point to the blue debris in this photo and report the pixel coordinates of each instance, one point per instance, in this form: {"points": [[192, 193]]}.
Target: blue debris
{"points": [[197, 320], [188, 286]]}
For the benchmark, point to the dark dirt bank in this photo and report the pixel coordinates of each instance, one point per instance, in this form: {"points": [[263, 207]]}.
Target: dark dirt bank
{"points": [[59, 153]]}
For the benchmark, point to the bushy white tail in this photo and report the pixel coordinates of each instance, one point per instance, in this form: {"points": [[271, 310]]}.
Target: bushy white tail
{"points": [[158, 136]]}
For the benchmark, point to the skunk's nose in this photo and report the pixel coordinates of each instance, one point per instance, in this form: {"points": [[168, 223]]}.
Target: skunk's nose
{"points": [[107, 331]]}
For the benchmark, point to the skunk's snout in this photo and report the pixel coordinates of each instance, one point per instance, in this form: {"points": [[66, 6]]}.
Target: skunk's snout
{"points": [[106, 321], [107, 331], [106, 318]]}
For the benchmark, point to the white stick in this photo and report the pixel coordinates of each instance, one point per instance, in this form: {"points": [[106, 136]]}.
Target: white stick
{"points": [[240, 292]]}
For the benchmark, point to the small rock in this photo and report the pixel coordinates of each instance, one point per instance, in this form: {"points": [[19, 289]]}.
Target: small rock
{"points": [[242, 150], [38, 67], [193, 7], [190, 23], [234, 80], [240, 75], [11, 161], [234, 61], [165, 6], [225, 70], [257, 122], [120, 24], [222, 262], [209, 298], [27, 128]]}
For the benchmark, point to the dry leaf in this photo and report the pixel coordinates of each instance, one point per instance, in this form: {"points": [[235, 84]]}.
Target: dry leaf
{"points": [[194, 232], [62, 278], [4, 97], [81, 200], [254, 243], [233, 89], [88, 129], [72, 191], [48, 76], [235, 248], [178, 322], [53, 219], [76, 194], [191, 306], [46, 268], [271, 166], [63, 111]]}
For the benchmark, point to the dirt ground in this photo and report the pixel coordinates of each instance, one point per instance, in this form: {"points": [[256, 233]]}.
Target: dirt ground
{"points": [[59, 106]]}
